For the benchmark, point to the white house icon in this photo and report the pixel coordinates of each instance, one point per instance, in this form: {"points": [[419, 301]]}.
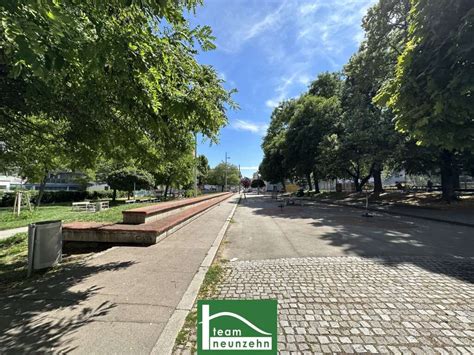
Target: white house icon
{"points": [[206, 318]]}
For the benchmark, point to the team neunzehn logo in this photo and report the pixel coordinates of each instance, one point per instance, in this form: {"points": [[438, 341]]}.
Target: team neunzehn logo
{"points": [[237, 326]]}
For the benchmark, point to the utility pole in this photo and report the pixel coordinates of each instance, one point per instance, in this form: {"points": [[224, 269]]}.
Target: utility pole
{"points": [[225, 183], [195, 165], [240, 178]]}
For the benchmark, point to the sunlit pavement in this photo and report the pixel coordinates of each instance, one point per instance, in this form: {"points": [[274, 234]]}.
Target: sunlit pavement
{"points": [[351, 284]]}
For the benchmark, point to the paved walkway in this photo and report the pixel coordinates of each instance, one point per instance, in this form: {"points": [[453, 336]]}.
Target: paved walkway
{"points": [[360, 305], [118, 302], [11, 232], [451, 215], [351, 284]]}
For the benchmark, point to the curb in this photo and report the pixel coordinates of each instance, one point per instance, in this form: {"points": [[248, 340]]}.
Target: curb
{"points": [[374, 209], [166, 340]]}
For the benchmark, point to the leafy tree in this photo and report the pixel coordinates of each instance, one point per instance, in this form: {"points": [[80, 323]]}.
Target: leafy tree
{"points": [[129, 179], [217, 175], [35, 156], [202, 169], [177, 171], [257, 184], [274, 166], [326, 85], [313, 119], [112, 74], [245, 182], [431, 94]]}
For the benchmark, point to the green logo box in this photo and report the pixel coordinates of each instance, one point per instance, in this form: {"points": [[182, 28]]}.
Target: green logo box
{"points": [[237, 327]]}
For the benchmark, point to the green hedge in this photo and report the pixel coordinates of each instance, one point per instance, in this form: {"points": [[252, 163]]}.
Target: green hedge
{"points": [[7, 198]]}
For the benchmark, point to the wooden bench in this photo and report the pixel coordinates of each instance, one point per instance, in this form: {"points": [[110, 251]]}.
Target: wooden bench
{"points": [[152, 213]]}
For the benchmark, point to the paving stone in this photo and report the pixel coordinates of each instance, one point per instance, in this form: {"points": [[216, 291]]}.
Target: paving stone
{"points": [[363, 305]]}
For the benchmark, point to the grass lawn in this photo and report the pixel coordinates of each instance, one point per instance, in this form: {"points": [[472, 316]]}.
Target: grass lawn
{"points": [[13, 258], [64, 212], [14, 250]]}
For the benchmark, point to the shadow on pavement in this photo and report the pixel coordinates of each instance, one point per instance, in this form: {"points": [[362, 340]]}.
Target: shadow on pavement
{"points": [[392, 240], [35, 317]]}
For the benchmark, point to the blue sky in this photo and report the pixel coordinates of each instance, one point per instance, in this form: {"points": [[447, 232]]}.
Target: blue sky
{"points": [[270, 50]]}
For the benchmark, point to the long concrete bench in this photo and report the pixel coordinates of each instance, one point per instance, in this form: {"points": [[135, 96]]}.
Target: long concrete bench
{"points": [[145, 233], [152, 213]]}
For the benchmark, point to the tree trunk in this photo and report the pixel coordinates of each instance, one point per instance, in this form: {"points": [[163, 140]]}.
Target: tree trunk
{"points": [[308, 177], [377, 174], [166, 190], [364, 181], [283, 184], [316, 186], [357, 186], [114, 195], [41, 190], [316, 182], [448, 176], [457, 182]]}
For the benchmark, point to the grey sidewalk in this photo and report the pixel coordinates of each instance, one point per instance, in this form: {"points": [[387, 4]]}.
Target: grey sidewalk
{"points": [[118, 302], [463, 217], [11, 232]]}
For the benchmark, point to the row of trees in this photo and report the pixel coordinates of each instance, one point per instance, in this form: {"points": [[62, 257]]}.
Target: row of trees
{"points": [[403, 101], [107, 87]]}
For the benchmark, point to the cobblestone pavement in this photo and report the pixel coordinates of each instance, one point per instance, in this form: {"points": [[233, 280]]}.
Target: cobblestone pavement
{"points": [[399, 305]]}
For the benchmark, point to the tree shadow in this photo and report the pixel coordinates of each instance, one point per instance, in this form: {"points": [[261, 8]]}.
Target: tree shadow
{"points": [[35, 317], [392, 240]]}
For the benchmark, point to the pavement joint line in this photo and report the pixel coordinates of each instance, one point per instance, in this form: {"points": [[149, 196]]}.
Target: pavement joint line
{"points": [[166, 340]]}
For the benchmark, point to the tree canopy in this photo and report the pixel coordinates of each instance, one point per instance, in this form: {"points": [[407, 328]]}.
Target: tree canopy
{"points": [[403, 101], [117, 80]]}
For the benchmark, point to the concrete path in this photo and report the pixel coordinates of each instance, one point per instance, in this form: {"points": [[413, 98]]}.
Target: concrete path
{"points": [[263, 230], [461, 216], [118, 302], [349, 284], [11, 232]]}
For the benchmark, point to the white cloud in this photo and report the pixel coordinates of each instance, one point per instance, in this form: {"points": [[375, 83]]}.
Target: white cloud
{"points": [[296, 38], [306, 9], [257, 128], [249, 168], [269, 21]]}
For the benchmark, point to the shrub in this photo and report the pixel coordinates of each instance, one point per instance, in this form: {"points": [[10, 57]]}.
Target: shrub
{"points": [[190, 193], [8, 198]]}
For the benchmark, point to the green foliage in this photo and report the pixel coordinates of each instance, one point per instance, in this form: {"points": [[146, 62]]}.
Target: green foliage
{"points": [[217, 175], [7, 199], [13, 258], [202, 169], [86, 83], [431, 94], [326, 85], [257, 183], [274, 167], [313, 119], [129, 179]]}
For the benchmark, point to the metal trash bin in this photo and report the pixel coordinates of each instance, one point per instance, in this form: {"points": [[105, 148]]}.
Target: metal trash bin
{"points": [[45, 244]]}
